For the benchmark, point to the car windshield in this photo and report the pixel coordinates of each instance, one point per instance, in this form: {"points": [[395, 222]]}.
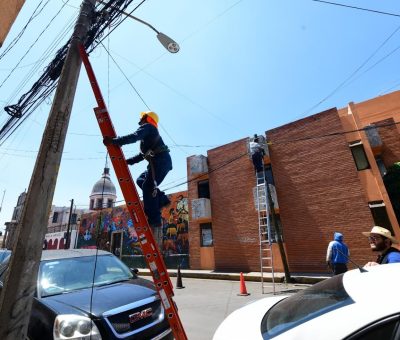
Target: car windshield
{"points": [[307, 304], [4, 254], [65, 275]]}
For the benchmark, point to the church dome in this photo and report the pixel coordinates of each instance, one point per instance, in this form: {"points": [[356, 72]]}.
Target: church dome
{"points": [[104, 186]]}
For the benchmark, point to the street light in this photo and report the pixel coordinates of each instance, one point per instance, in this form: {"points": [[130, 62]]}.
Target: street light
{"points": [[170, 44]]}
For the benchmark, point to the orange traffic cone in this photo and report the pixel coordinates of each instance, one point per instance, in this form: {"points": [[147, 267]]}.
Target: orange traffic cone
{"points": [[243, 291]]}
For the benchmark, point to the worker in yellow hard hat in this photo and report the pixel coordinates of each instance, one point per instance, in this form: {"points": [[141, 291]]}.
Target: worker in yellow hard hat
{"points": [[153, 149]]}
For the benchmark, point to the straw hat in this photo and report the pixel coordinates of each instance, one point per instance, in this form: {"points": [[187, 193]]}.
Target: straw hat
{"points": [[381, 231]]}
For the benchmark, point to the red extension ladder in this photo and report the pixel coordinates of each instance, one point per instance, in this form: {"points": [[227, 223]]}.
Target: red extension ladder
{"points": [[149, 247]]}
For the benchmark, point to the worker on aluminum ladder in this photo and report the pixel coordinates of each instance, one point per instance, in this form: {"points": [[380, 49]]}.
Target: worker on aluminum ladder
{"points": [[157, 154], [257, 153]]}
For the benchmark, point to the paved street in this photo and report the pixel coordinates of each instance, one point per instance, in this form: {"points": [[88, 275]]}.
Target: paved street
{"points": [[203, 304]]}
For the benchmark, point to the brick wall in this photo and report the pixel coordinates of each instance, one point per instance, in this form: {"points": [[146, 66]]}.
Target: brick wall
{"points": [[318, 192], [234, 217], [391, 142]]}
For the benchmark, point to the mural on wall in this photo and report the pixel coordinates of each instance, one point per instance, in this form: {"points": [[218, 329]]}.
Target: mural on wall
{"points": [[97, 228], [176, 225]]}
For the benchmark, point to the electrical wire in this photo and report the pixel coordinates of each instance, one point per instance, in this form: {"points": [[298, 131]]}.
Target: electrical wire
{"points": [[141, 98], [102, 19], [30, 47], [359, 8], [343, 83], [280, 142], [21, 33], [99, 226]]}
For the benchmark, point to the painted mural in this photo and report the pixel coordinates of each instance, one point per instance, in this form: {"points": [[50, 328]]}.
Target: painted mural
{"points": [[113, 230]]}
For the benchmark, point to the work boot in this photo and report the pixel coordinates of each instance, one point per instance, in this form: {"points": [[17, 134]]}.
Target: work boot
{"points": [[164, 200]]}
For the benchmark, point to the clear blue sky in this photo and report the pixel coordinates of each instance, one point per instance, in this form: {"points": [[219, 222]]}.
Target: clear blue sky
{"points": [[244, 67]]}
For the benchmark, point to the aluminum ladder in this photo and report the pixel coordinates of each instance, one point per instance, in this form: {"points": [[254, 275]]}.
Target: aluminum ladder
{"points": [[264, 229]]}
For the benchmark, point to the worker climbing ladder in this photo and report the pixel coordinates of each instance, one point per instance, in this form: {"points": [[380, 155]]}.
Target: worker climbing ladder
{"points": [[262, 197], [148, 245]]}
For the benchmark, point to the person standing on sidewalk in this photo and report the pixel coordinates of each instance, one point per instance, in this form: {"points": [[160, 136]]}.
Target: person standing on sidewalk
{"points": [[337, 254]]}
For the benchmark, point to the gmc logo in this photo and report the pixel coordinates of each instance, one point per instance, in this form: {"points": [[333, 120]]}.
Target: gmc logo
{"points": [[145, 313]]}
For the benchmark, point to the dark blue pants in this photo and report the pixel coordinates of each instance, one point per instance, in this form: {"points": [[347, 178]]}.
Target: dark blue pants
{"points": [[339, 268], [257, 159], [162, 164]]}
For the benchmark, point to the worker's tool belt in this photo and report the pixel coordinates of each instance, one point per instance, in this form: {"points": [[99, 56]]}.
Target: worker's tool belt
{"points": [[151, 153]]}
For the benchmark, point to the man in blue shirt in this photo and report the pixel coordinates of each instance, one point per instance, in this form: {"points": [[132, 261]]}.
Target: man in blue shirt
{"points": [[381, 240], [153, 149], [337, 254]]}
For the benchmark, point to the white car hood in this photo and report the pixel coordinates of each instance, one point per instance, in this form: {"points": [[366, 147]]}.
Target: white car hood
{"points": [[250, 317]]}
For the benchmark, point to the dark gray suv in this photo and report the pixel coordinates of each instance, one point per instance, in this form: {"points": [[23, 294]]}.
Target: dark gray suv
{"points": [[74, 300]]}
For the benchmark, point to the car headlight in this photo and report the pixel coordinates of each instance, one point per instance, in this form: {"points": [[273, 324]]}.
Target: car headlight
{"points": [[75, 327]]}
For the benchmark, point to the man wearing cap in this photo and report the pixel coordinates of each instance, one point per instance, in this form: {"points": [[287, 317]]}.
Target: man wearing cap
{"points": [[153, 149], [381, 240]]}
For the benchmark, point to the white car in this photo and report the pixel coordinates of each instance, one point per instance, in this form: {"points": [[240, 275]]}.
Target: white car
{"points": [[355, 305]]}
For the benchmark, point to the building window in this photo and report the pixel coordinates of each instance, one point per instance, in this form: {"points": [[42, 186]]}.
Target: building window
{"points": [[55, 217], [109, 203], [359, 155], [203, 189], [91, 204], [379, 214], [381, 166], [99, 203], [206, 238], [73, 219]]}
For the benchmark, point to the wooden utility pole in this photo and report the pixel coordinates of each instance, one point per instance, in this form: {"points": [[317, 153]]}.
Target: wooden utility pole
{"points": [[278, 233], [19, 287]]}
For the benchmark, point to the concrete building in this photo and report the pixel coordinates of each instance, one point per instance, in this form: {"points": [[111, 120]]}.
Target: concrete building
{"points": [[326, 171], [103, 193], [59, 218]]}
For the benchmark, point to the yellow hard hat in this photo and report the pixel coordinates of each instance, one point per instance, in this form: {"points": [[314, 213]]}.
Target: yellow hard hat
{"points": [[151, 114]]}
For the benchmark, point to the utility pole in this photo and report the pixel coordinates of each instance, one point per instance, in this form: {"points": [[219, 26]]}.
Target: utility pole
{"points": [[19, 287], [67, 241], [278, 233]]}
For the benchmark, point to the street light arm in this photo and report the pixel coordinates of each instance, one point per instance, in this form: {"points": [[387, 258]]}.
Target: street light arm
{"points": [[171, 45], [140, 20]]}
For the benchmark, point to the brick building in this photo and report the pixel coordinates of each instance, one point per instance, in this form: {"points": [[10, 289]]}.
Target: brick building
{"points": [[326, 171]]}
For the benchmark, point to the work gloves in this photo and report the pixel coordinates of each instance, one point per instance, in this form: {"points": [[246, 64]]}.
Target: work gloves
{"points": [[130, 161], [135, 159], [108, 140]]}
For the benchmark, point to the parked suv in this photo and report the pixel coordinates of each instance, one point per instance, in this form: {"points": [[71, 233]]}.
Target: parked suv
{"points": [[89, 294]]}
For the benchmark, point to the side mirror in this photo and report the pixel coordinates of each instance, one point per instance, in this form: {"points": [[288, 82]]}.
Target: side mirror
{"points": [[134, 271]]}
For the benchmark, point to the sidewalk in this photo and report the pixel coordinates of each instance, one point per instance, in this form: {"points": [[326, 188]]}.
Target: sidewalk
{"points": [[303, 278]]}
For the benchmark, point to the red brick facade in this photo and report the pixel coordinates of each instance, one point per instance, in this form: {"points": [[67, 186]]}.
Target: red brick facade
{"points": [[318, 191], [318, 186]]}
